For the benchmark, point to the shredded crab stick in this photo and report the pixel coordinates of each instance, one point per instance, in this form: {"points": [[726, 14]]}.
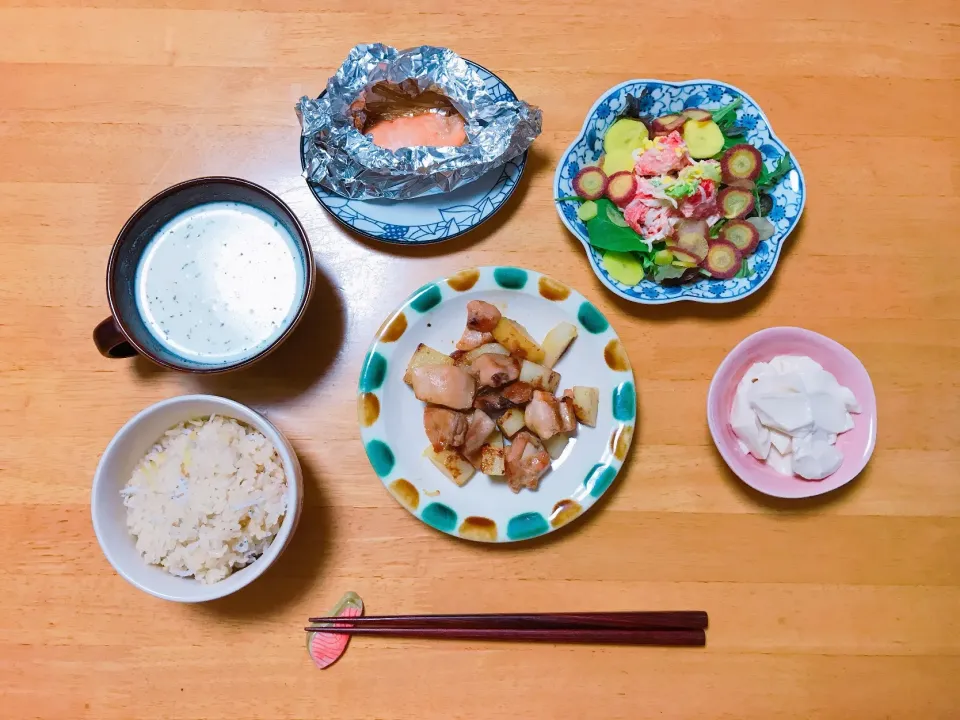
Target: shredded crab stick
{"points": [[702, 204], [664, 155], [428, 129], [650, 220]]}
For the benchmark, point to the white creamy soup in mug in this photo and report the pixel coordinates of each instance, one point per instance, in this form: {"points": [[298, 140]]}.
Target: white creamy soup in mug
{"points": [[219, 282]]}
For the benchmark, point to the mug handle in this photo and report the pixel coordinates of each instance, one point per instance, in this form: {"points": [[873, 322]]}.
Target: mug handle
{"points": [[110, 341]]}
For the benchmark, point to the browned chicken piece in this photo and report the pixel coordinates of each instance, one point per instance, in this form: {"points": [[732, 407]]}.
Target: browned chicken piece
{"points": [[445, 428], [542, 415], [473, 339], [568, 416], [446, 385], [479, 430], [495, 371], [482, 316], [492, 402], [526, 461], [518, 393]]}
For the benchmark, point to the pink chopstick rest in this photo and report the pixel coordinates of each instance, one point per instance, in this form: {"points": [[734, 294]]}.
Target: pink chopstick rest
{"points": [[326, 648]]}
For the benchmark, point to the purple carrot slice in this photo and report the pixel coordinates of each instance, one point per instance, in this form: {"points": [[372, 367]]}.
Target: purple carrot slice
{"points": [[742, 235], [621, 187], [740, 162], [723, 260], [735, 203], [590, 183]]}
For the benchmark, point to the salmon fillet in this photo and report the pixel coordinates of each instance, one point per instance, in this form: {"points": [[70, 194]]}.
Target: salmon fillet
{"points": [[429, 129]]}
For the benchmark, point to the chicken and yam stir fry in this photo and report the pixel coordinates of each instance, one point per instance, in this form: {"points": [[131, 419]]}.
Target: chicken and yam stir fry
{"points": [[492, 405]]}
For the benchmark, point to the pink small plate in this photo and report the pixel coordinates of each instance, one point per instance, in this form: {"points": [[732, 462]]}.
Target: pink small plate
{"points": [[856, 445]]}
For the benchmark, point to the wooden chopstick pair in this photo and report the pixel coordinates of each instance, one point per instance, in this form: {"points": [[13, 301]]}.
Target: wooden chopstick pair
{"points": [[670, 628]]}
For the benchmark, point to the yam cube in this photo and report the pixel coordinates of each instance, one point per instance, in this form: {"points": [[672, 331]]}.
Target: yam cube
{"points": [[556, 444], [517, 340], [586, 403], [511, 422], [539, 377], [451, 464], [556, 342], [491, 455]]}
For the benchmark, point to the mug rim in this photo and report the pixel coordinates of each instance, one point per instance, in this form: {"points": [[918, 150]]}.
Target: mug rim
{"points": [[308, 285]]}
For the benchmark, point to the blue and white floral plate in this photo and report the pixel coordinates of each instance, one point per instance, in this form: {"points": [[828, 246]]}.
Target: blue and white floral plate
{"points": [[484, 509], [663, 97], [433, 218]]}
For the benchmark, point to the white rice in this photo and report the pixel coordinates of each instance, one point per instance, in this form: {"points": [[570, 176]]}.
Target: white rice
{"points": [[208, 499]]}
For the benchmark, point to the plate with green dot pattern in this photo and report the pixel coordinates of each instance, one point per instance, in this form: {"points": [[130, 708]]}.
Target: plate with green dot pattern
{"points": [[484, 509]]}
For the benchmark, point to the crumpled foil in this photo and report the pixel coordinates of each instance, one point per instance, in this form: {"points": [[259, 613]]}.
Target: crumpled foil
{"points": [[341, 159]]}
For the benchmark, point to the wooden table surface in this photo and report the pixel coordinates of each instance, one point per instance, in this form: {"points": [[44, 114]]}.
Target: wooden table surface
{"points": [[840, 607]]}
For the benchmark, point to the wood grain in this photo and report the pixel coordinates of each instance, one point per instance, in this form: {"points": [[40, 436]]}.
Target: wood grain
{"points": [[842, 607]]}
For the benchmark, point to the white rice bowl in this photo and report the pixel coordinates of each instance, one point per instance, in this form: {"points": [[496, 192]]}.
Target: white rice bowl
{"points": [[208, 499]]}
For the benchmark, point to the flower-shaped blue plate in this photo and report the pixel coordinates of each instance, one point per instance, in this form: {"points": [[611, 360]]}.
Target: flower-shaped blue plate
{"points": [[663, 97], [433, 218]]}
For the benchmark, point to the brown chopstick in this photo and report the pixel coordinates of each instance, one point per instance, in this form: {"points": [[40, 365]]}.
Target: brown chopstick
{"points": [[675, 638], [644, 620]]}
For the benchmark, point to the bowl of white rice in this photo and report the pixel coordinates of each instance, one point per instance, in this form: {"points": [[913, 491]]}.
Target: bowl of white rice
{"points": [[195, 497]]}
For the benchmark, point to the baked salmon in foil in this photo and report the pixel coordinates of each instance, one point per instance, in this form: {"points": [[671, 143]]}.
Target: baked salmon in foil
{"points": [[400, 124]]}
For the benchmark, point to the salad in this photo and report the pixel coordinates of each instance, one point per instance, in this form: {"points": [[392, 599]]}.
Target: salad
{"points": [[678, 198]]}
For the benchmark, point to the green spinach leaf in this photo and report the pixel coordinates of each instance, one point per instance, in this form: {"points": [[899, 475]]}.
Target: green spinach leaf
{"points": [[744, 271], [609, 231], [769, 178], [727, 115]]}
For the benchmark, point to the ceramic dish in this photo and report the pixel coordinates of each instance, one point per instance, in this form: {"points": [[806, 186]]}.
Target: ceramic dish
{"points": [[484, 510], [433, 218], [664, 97], [856, 445], [128, 447], [132, 327]]}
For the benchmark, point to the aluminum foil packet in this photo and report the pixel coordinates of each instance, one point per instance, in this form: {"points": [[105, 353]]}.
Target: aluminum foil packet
{"points": [[340, 158]]}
